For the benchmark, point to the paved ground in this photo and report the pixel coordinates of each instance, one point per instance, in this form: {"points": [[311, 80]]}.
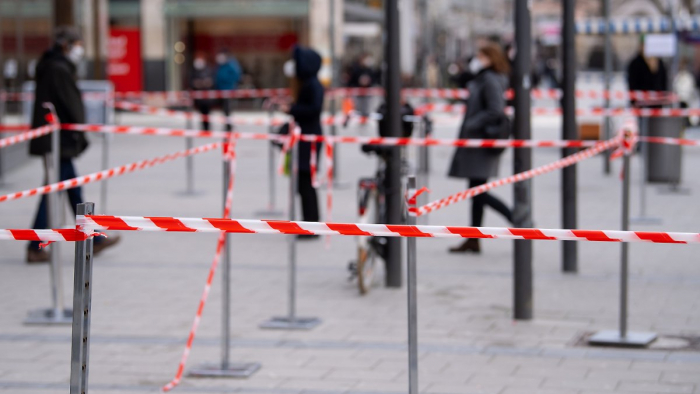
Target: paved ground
{"points": [[146, 291]]}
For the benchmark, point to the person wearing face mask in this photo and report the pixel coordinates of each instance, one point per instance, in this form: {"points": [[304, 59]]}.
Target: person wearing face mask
{"points": [[307, 96], [56, 83], [485, 119], [202, 79], [228, 75]]}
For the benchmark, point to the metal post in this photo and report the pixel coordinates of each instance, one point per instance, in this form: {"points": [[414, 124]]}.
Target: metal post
{"points": [[411, 254], [622, 337], [522, 161], [291, 321], [226, 368], [82, 310], [334, 83], [189, 160], [271, 174], [57, 314], [644, 162], [392, 78], [569, 203], [106, 137], [423, 171], [607, 126]]}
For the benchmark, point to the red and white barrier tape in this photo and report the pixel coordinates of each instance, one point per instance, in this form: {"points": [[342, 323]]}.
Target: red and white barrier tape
{"points": [[230, 156], [391, 141], [26, 136], [215, 225], [350, 92], [106, 174], [13, 128], [670, 141], [469, 193]]}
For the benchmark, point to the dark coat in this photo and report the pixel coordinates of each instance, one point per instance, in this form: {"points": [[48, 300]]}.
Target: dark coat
{"points": [[308, 105], [485, 107], [56, 84], [640, 77]]}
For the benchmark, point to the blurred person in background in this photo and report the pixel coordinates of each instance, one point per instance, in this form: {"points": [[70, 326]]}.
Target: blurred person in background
{"points": [[307, 95], [684, 85], [56, 83], [228, 76], [647, 74], [202, 79], [363, 75], [485, 119]]}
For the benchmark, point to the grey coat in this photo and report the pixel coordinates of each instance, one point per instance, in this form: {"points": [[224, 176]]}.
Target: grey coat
{"points": [[485, 106]]}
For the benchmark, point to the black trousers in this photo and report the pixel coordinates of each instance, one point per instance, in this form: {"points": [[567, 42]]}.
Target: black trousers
{"points": [[309, 198], [480, 201]]}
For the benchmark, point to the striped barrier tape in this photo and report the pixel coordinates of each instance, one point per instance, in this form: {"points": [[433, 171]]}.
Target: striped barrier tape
{"points": [[235, 226], [389, 141], [13, 128], [559, 164], [106, 174], [638, 25], [230, 156], [459, 109], [444, 93], [26, 136]]}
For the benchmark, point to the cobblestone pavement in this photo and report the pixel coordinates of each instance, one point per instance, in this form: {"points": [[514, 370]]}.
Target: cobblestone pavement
{"points": [[146, 290]]}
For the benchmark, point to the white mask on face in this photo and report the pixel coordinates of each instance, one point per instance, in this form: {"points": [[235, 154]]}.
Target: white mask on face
{"points": [[76, 54], [475, 65], [290, 69], [199, 64]]}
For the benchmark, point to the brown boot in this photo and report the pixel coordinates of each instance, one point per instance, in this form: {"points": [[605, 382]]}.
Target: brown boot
{"points": [[35, 256], [106, 243], [470, 245]]}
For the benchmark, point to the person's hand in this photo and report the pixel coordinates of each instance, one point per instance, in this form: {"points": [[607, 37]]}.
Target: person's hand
{"points": [[284, 107]]}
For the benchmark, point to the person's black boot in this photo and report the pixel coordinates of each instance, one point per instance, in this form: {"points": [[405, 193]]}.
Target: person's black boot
{"points": [[470, 245]]}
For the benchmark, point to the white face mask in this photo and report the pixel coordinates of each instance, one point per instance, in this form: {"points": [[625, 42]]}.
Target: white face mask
{"points": [[290, 69], [475, 65], [199, 64], [76, 54]]}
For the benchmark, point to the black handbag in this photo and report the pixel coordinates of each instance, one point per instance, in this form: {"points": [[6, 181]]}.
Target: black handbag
{"points": [[499, 130]]}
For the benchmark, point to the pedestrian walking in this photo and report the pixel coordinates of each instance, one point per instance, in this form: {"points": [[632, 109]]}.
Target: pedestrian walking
{"points": [[56, 84], [228, 75], [485, 119], [648, 74], [202, 79], [307, 94]]}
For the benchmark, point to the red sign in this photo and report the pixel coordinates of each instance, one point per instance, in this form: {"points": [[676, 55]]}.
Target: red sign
{"points": [[124, 60]]}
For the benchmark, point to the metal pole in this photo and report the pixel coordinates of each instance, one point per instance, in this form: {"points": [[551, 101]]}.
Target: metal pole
{"points": [[625, 246], [607, 131], [623, 337], [644, 161], [425, 42], [189, 144], [54, 175], [292, 241], [105, 165], [226, 282], [82, 305], [411, 254], [522, 161], [291, 321], [334, 83], [569, 132], [394, 201]]}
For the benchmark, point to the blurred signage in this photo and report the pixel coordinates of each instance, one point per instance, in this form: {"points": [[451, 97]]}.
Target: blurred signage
{"points": [[124, 59], [660, 45]]}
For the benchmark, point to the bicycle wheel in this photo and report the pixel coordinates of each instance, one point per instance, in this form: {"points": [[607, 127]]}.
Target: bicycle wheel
{"points": [[366, 253]]}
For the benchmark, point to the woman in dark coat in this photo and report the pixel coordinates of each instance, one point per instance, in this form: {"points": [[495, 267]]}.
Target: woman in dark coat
{"points": [[307, 93], [484, 119]]}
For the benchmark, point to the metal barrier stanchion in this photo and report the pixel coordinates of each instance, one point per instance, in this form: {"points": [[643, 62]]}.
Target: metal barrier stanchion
{"points": [[226, 368], [82, 299], [106, 137], [423, 166], [189, 160], [644, 162], [57, 314], [412, 299], [271, 175], [292, 322], [622, 337]]}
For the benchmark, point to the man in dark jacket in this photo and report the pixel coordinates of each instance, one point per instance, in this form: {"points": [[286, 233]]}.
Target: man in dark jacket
{"points": [[56, 84], [306, 110], [646, 74]]}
